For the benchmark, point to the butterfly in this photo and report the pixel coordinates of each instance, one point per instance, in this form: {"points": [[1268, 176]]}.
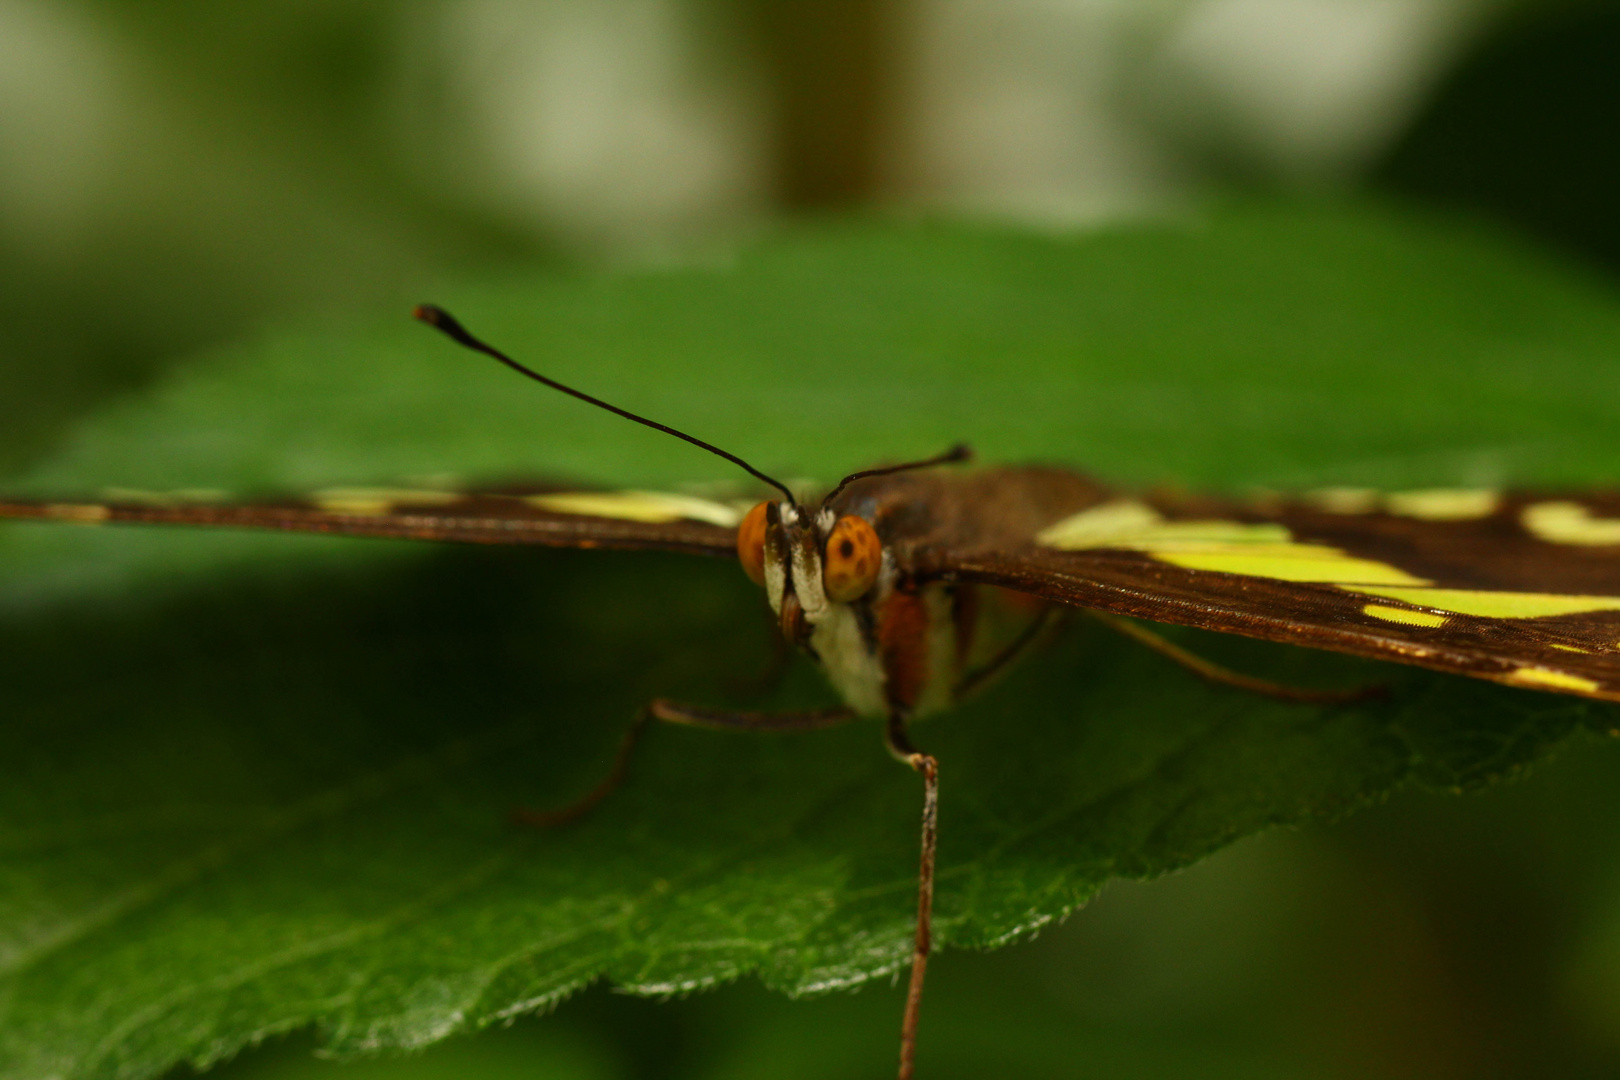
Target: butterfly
{"points": [[884, 580]]}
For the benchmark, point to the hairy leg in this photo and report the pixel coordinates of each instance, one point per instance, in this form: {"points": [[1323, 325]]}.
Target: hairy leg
{"points": [[774, 670], [980, 677], [900, 746], [724, 720], [671, 713], [1215, 673]]}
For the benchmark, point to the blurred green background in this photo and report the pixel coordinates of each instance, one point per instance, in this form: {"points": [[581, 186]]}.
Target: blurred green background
{"points": [[175, 173]]}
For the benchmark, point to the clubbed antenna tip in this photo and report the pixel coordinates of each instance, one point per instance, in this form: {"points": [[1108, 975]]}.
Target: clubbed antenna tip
{"points": [[960, 452]]}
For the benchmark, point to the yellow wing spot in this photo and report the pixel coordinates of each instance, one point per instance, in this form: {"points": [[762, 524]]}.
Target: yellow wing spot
{"points": [[1552, 680], [164, 498], [1135, 525], [1287, 562], [1344, 500], [1211, 536], [1493, 605], [1404, 615], [1444, 504], [1100, 525], [1568, 648], [653, 507], [373, 501], [79, 513], [1263, 550], [1569, 523]]}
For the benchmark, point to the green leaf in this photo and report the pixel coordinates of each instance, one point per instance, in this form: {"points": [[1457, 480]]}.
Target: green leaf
{"points": [[253, 783]]}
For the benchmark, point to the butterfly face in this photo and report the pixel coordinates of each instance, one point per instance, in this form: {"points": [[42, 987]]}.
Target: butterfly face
{"points": [[813, 564]]}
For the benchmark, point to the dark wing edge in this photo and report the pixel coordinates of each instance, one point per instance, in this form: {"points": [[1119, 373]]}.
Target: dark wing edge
{"points": [[488, 518], [1569, 654]]}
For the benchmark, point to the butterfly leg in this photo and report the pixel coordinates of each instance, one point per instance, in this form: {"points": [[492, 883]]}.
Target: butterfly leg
{"points": [[725, 720], [545, 819], [900, 746], [1215, 673], [992, 669], [669, 712], [772, 672]]}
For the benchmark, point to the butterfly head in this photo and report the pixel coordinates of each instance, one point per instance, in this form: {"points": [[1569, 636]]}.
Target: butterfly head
{"points": [[808, 561], [813, 564]]}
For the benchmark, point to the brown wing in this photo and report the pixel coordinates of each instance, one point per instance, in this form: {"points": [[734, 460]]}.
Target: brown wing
{"points": [[551, 516], [1522, 589]]}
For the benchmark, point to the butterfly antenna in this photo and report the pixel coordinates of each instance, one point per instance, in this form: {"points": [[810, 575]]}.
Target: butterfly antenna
{"points": [[959, 452], [443, 321]]}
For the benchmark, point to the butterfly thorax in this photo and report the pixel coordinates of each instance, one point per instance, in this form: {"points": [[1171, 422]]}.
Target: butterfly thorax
{"points": [[899, 645]]}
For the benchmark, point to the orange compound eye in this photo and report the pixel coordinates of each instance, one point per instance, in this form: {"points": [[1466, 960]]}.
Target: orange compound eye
{"points": [[751, 543], [854, 556]]}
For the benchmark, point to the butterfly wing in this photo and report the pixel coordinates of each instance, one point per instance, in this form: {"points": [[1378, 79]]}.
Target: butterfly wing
{"points": [[1522, 589], [529, 514], [1518, 588]]}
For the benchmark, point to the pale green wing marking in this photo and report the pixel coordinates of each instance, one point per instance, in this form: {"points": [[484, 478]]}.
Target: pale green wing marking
{"points": [[372, 502], [1314, 563], [1268, 551], [1344, 500], [78, 513], [1444, 504], [1405, 616], [1491, 605], [1427, 504], [1569, 523], [1547, 679], [653, 507], [1228, 547], [1100, 526], [182, 497], [1127, 523]]}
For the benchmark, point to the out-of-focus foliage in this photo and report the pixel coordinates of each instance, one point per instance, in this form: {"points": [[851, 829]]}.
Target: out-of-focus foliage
{"points": [[175, 173], [1524, 132]]}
